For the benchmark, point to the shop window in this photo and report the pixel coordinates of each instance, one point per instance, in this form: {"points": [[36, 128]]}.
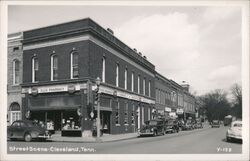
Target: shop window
{"points": [[16, 72], [117, 75], [15, 112], [103, 69], [133, 115], [35, 68], [54, 67], [132, 82], [117, 114], [74, 65], [125, 78], [71, 121], [126, 114]]}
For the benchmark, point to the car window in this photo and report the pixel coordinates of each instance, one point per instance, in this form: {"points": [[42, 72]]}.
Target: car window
{"points": [[22, 124], [152, 123], [16, 124], [237, 125]]}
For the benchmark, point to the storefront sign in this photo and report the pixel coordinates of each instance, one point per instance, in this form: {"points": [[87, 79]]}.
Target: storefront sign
{"points": [[52, 89], [179, 111], [108, 90], [167, 109]]}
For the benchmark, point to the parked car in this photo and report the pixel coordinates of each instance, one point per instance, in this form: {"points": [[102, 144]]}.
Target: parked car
{"points": [[171, 126], [187, 126], [235, 131], [152, 127], [215, 123], [27, 130]]}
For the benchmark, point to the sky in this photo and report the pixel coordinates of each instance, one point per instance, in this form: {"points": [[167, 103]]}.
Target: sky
{"points": [[197, 44]]}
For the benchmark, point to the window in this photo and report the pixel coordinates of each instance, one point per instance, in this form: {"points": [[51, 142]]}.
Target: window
{"points": [[35, 68], [15, 112], [16, 72], [133, 114], [74, 65], [132, 81], [15, 48], [103, 69], [54, 67], [149, 115], [142, 115], [144, 86], [126, 114], [125, 78], [149, 88], [138, 84], [117, 114], [117, 75]]}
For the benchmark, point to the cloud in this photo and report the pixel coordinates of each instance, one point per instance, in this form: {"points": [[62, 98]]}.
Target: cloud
{"points": [[169, 40], [224, 73]]}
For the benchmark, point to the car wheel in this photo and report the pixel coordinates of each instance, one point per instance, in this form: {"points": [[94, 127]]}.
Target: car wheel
{"points": [[27, 137], [228, 139]]}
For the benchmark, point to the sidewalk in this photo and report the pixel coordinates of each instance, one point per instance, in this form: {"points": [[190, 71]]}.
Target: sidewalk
{"points": [[104, 138]]}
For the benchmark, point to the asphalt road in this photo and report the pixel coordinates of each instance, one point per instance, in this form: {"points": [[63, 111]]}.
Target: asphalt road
{"points": [[202, 141]]}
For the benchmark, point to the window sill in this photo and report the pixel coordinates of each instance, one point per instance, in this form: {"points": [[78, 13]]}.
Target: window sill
{"points": [[126, 124], [117, 124]]}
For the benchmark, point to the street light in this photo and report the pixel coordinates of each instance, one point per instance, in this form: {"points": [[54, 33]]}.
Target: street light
{"points": [[98, 82]]}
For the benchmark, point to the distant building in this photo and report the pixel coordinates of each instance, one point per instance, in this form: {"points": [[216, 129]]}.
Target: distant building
{"points": [[14, 76]]}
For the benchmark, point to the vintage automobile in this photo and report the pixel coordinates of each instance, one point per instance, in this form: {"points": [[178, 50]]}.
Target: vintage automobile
{"points": [[215, 123], [27, 130], [153, 128], [171, 126], [187, 126], [235, 131]]}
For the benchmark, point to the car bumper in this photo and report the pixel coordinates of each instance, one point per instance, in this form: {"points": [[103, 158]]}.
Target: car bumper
{"points": [[145, 133], [44, 136], [234, 136]]}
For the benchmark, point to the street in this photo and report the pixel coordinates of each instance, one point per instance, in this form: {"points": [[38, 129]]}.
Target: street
{"points": [[199, 141]]}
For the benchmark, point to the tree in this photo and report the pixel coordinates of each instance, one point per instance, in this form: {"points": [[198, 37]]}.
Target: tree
{"points": [[236, 110], [216, 104]]}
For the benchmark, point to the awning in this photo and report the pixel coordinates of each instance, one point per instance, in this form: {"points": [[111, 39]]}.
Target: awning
{"points": [[45, 108], [104, 108]]}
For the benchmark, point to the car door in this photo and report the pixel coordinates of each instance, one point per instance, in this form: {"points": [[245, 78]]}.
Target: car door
{"points": [[14, 130]]}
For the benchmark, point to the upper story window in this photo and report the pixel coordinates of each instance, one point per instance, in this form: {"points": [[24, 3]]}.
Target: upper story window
{"points": [[74, 65], [16, 72], [125, 78], [144, 86], [138, 84], [35, 68], [149, 88], [117, 75], [54, 67], [132, 82], [103, 69]]}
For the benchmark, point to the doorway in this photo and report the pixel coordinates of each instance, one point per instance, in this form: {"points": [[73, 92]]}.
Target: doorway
{"points": [[105, 121]]}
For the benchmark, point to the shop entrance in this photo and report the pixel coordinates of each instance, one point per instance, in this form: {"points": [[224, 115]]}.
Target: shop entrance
{"points": [[105, 121]]}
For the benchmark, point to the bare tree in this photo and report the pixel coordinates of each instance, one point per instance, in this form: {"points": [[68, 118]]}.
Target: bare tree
{"points": [[236, 91]]}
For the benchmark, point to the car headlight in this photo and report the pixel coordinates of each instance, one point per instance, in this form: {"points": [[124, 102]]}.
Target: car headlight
{"points": [[152, 129]]}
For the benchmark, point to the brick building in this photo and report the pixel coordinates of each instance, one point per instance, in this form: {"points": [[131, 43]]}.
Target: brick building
{"points": [[14, 77], [60, 67], [173, 99]]}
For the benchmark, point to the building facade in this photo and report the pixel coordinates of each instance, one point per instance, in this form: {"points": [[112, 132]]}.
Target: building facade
{"points": [[60, 66], [14, 77], [173, 99]]}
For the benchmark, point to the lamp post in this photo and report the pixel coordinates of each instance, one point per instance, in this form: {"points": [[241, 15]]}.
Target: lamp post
{"points": [[98, 82]]}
